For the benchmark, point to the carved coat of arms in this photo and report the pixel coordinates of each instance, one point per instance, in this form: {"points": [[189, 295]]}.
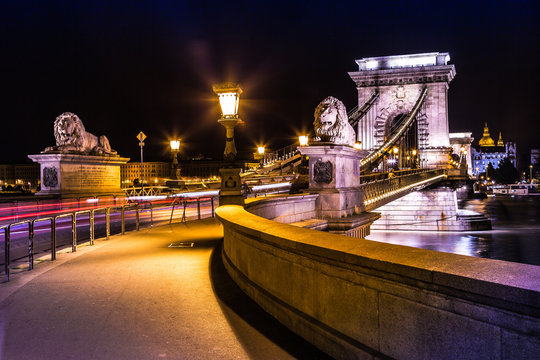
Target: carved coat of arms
{"points": [[322, 172], [50, 177]]}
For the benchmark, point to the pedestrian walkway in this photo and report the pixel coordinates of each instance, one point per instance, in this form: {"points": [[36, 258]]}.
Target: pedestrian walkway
{"points": [[135, 297]]}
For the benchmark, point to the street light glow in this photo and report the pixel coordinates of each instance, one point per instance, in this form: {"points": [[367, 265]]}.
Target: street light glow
{"points": [[260, 150], [229, 98], [303, 139], [175, 144]]}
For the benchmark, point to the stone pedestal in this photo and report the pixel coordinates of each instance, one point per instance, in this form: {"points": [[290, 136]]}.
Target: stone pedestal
{"points": [[70, 175], [231, 187], [435, 156], [334, 174]]}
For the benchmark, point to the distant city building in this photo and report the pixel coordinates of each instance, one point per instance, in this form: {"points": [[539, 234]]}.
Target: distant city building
{"points": [[490, 152], [158, 172], [26, 175], [152, 171]]}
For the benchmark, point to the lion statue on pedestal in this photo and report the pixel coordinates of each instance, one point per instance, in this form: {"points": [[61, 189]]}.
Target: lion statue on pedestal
{"points": [[332, 124], [71, 136]]}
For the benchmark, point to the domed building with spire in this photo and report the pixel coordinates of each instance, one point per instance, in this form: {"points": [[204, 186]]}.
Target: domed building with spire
{"points": [[489, 151]]}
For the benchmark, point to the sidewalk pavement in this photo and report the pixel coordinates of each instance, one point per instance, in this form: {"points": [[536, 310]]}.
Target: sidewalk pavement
{"points": [[134, 297]]}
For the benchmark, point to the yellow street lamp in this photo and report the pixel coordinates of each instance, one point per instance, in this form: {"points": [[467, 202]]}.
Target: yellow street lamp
{"points": [[229, 98], [530, 171], [357, 145], [175, 170], [414, 152], [303, 140], [395, 150], [260, 155]]}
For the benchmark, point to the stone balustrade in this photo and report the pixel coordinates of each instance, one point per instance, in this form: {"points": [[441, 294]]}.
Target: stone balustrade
{"points": [[356, 298]]}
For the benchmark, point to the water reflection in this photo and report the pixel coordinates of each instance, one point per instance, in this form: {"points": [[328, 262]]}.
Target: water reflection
{"points": [[515, 235]]}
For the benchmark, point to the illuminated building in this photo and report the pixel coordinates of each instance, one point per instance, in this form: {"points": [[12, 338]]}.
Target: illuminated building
{"points": [[20, 174], [151, 170], [489, 151]]}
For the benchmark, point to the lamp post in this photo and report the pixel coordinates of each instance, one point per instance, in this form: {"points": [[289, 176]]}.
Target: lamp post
{"points": [[260, 152], [229, 97], [175, 147], [530, 173], [141, 136], [303, 140], [395, 150]]}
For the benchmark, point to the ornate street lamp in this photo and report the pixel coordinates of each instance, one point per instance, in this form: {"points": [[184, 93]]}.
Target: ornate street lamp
{"points": [[229, 98], [175, 147], [303, 140], [260, 153]]}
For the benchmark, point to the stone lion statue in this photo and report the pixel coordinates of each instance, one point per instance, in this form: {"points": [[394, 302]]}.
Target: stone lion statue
{"points": [[71, 136], [332, 124]]}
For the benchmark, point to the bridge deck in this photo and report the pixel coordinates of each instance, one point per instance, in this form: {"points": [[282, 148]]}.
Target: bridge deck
{"points": [[133, 297]]}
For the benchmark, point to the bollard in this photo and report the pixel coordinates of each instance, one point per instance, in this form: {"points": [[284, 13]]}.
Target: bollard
{"points": [[91, 221], [123, 211], [73, 232], [53, 239], [107, 223], [30, 245], [7, 256]]}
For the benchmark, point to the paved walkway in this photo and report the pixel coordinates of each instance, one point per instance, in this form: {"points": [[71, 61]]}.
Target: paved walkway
{"points": [[133, 297]]}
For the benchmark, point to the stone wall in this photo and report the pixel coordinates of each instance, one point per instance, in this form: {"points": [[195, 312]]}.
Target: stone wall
{"points": [[428, 210], [285, 209], [357, 298]]}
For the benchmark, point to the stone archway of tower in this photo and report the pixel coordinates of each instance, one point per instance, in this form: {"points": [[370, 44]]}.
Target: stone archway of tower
{"points": [[384, 120]]}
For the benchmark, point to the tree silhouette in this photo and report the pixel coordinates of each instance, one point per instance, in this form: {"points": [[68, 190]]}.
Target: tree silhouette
{"points": [[506, 173]]}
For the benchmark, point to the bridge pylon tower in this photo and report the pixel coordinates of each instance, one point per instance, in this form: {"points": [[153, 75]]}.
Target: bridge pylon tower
{"points": [[399, 80]]}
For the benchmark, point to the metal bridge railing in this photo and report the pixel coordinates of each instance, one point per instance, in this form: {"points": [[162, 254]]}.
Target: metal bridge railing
{"points": [[186, 201], [53, 220], [74, 215], [382, 191]]}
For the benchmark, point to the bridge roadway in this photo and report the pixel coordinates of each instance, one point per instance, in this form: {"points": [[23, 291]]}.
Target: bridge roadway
{"points": [[133, 297]]}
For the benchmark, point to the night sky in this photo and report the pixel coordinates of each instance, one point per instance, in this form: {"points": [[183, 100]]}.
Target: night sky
{"points": [[131, 66]]}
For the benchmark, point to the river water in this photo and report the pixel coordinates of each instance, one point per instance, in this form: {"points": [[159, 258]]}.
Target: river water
{"points": [[515, 235]]}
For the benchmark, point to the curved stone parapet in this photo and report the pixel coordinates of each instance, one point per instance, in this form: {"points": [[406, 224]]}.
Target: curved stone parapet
{"points": [[356, 298]]}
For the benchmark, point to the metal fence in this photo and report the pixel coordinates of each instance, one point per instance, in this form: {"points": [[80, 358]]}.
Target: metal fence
{"points": [[52, 222]]}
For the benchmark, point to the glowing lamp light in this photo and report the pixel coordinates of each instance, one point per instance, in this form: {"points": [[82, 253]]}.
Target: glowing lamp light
{"points": [[175, 144], [357, 145], [303, 140], [396, 150], [414, 152], [260, 150], [229, 98]]}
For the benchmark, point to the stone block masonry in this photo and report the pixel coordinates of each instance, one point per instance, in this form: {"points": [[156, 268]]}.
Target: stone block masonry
{"points": [[431, 210], [360, 299]]}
